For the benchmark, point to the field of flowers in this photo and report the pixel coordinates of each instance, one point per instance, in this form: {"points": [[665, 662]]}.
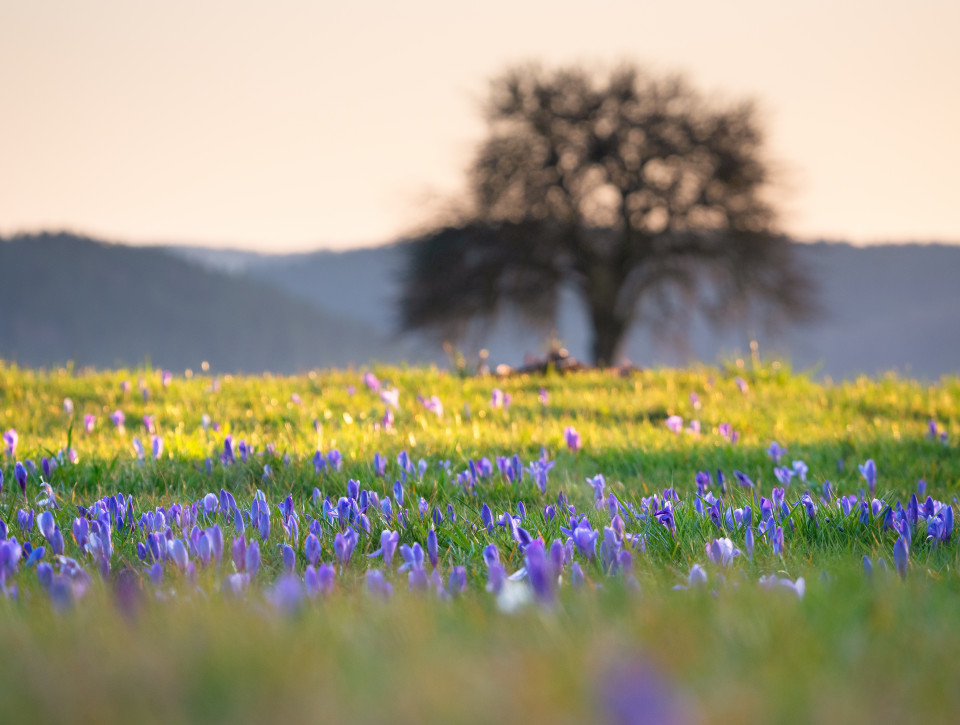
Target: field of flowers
{"points": [[408, 545]]}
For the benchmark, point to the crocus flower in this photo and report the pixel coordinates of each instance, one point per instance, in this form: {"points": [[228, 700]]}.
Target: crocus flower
{"points": [[869, 472], [311, 549], [252, 559], [722, 551], [46, 524], [776, 452], [344, 544], [457, 581], [89, 422], [778, 541], [20, 474], [496, 576], [235, 584], [783, 475], [388, 546], [68, 406], [800, 469], [486, 517], [434, 405], [117, 417], [370, 380], [289, 557], [543, 396], [391, 397], [379, 465], [901, 556], [377, 586], [432, 547], [542, 581], [572, 438], [156, 444], [585, 539], [697, 576], [286, 595], [726, 431], [178, 552], [774, 582], [25, 521], [674, 423], [742, 385], [10, 439], [319, 580]]}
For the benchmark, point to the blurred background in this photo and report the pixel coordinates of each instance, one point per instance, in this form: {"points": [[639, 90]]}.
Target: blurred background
{"points": [[246, 183]]}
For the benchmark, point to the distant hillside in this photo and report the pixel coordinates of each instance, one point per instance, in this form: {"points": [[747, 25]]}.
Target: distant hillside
{"points": [[64, 298], [68, 298], [885, 307]]}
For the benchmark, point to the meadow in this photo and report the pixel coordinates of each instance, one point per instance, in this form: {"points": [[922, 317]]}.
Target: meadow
{"points": [[712, 545]]}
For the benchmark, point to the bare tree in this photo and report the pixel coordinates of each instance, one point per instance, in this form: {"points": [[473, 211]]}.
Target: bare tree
{"points": [[632, 188]]}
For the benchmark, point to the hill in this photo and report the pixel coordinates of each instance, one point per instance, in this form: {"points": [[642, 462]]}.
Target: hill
{"points": [[65, 297], [885, 307]]}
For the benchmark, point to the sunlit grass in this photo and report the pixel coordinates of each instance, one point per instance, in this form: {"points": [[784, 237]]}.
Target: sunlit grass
{"points": [[852, 649]]}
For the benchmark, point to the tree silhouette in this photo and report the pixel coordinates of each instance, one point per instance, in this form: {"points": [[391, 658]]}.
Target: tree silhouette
{"points": [[634, 189]]}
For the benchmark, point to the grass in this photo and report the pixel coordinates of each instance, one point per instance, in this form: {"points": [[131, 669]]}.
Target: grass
{"points": [[852, 649]]}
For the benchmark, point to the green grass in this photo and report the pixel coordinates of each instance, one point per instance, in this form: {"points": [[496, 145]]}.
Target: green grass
{"points": [[848, 651]]}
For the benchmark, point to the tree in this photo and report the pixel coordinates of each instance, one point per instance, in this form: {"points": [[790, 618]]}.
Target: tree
{"points": [[634, 189]]}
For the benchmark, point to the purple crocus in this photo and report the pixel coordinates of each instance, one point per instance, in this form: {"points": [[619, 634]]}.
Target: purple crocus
{"points": [[379, 465], [344, 544], [869, 472], [10, 439], [901, 556], [778, 541], [572, 438], [456, 582], [776, 452], [252, 559], [156, 445], [674, 423], [20, 474], [311, 549], [117, 417], [377, 585], [722, 551], [542, 580], [391, 397], [89, 422], [319, 580], [697, 577], [388, 546], [432, 547], [585, 539], [25, 521], [772, 581], [289, 557]]}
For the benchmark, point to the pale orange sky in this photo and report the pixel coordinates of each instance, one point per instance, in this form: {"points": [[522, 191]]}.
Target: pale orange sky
{"points": [[290, 125]]}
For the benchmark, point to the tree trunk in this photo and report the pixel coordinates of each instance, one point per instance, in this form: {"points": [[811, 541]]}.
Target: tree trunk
{"points": [[608, 332]]}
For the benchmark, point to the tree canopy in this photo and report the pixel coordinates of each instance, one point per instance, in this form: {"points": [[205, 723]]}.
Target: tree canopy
{"points": [[635, 189]]}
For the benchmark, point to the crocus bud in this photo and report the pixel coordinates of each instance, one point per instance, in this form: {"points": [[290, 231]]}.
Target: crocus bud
{"points": [[20, 474]]}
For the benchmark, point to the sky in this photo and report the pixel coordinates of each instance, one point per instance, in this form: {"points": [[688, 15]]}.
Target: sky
{"points": [[293, 125]]}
